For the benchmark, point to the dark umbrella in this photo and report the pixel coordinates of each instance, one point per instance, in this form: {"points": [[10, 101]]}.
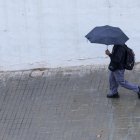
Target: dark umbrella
{"points": [[107, 35]]}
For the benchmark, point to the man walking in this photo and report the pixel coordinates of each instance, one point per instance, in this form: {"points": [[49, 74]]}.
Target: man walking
{"points": [[117, 69]]}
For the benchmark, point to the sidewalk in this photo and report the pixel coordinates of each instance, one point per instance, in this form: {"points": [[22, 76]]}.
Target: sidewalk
{"points": [[66, 104]]}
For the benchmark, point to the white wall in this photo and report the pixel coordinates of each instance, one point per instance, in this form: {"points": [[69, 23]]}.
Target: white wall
{"points": [[50, 33]]}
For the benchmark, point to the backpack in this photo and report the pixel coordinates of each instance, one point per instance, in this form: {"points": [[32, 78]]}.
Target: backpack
{"points": [[130, 59]]}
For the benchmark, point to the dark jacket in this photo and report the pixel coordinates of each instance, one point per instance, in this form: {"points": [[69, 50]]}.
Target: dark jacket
{"points": [[117, 57]]}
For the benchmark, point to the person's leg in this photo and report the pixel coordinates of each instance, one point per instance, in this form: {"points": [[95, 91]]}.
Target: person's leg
{"points": [[113, 83], [119, 76]]}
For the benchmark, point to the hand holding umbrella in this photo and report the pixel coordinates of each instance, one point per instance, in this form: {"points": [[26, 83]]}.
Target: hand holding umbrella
{"points": [[107, 52]]}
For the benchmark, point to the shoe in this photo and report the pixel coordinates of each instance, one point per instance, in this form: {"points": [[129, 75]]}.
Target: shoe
{"points": [[138, 92], [113, 95]]}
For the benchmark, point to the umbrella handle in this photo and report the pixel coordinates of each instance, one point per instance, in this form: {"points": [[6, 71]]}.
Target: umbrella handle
{"points": [[107, 47]]}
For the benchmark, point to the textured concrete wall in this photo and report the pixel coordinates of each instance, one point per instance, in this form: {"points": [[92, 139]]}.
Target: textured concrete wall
{"points": [[50, 33]]}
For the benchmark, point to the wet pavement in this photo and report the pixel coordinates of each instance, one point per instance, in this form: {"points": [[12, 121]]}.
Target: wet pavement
{"points": [[67, 104]]}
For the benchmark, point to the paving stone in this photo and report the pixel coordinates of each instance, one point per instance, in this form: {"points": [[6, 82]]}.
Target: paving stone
{"points": [[66, 104]]}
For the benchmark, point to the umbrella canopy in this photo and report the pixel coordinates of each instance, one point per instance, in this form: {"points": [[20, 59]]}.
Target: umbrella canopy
{"points": [[107, 35]]}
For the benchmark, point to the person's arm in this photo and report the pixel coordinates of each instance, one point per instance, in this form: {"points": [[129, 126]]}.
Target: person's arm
{"points": [[117, 55]]}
